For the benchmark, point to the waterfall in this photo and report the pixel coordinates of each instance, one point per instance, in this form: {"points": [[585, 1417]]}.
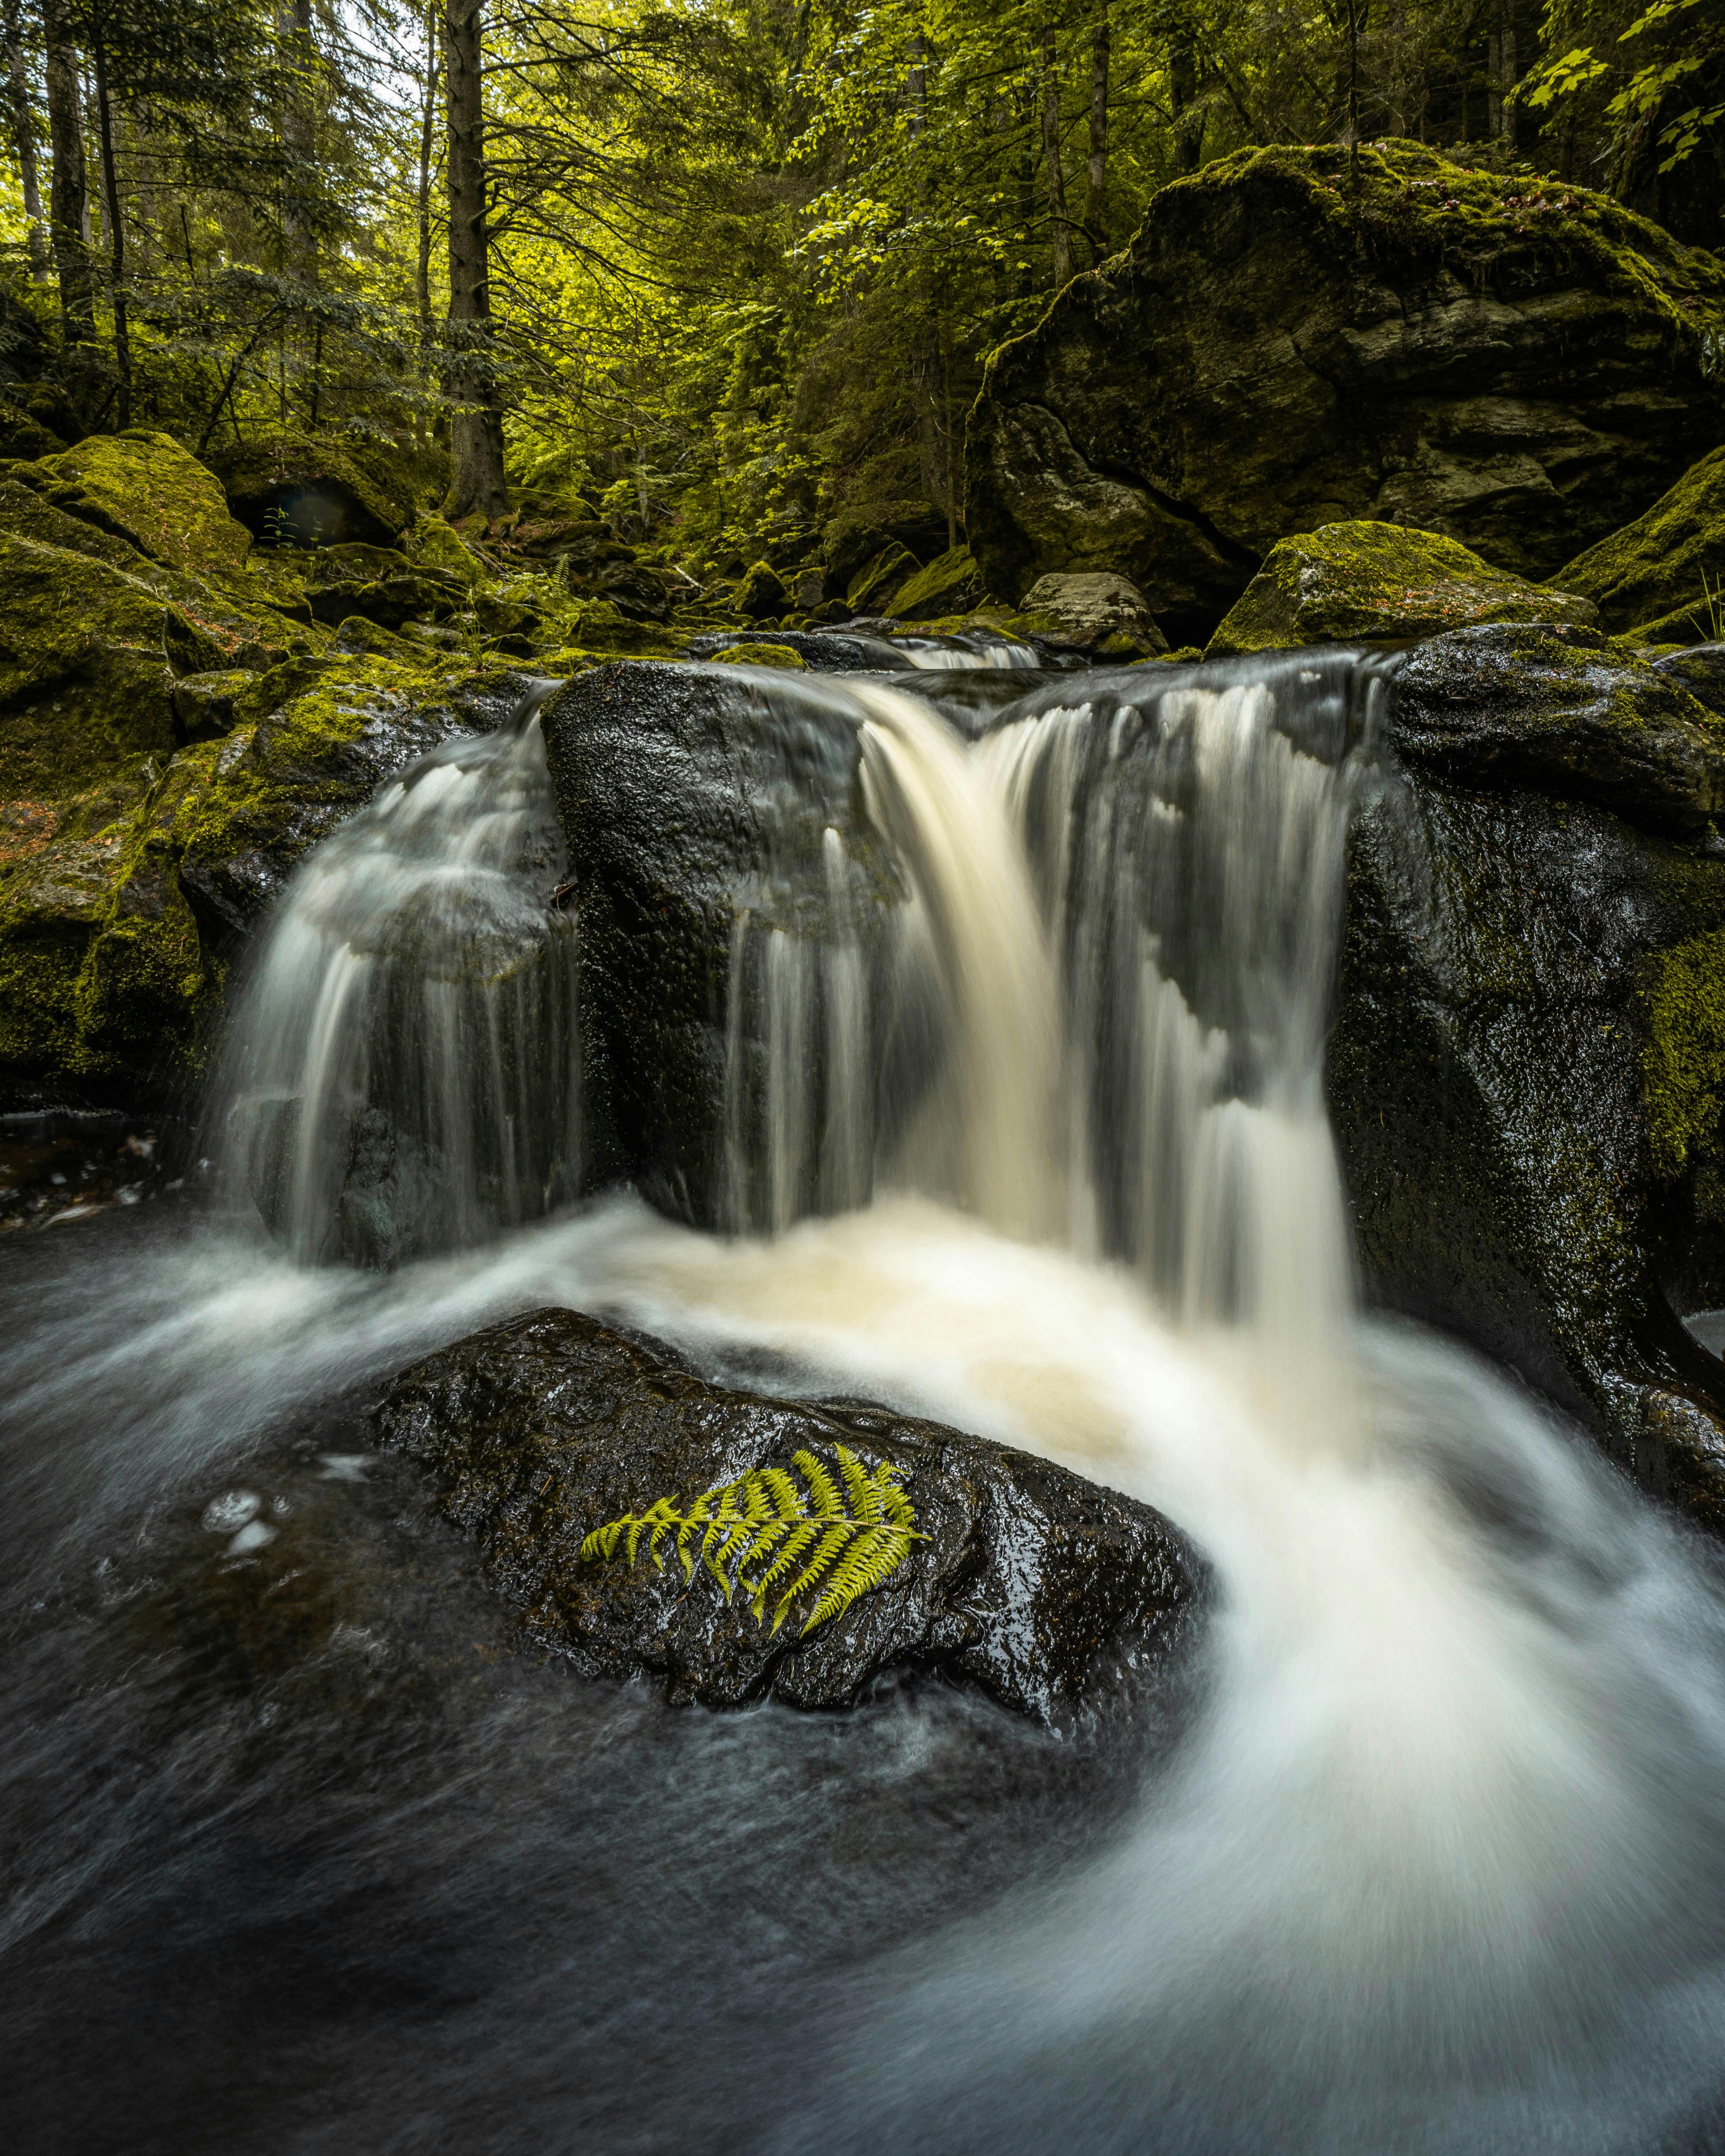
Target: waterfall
{"points": [[1115, 973], [402, 1069]]}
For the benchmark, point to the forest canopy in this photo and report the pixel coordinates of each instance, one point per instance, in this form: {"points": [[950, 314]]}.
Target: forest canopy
{"points": [[725, 272]]}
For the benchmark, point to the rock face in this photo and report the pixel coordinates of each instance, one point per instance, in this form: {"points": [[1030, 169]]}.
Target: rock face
{"points": [[1042, 1587], [689, 803], [1518, 366], [1661, 579], [1346, 582], [1527, 1072]]}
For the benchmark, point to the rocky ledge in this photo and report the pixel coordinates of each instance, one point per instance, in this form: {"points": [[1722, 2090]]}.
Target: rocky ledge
{"points": [[1044, 1589]]}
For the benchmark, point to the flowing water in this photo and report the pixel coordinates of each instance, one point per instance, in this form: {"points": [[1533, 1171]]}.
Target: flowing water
{"points": [[304, 1858]]}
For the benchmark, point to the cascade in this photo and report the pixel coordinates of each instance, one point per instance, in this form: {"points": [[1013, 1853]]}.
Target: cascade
{"points": [[402, 1070]]}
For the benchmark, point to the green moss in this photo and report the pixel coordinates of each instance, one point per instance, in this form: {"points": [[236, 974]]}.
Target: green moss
{"points": [[87, 668], [264, 479], [761, 655], [1369, 579], [147, 490], [952, 583], [1683, 1061], [1662, 578], [439, 546]]}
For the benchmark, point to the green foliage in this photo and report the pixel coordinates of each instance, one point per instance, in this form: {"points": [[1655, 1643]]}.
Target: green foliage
{"points": [[763, 1532]]}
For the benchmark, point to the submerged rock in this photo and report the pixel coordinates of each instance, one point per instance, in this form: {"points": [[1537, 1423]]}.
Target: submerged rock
{"points": [[1294, 338], [1661, 579], [1345, 583], [1046, 1589]]}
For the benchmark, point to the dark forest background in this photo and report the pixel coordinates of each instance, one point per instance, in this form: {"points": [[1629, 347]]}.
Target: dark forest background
{"points": [[726, 272]]}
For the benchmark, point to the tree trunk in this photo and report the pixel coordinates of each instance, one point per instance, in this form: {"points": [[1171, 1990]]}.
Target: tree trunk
{"points": [[299, 138], [69, 192], [1506, 75], [1183, 97], [1494, 94], [428, 122], [23, 126], [1053, 169], [1095, 176], [476, 483], [116, 237]]}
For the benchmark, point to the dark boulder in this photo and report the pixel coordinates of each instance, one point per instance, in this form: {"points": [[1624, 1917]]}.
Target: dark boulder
{"points": [[1661, 579], [1046, 1589], [1527, 1071], [382, 586], [1294, 340], [695, 801]]}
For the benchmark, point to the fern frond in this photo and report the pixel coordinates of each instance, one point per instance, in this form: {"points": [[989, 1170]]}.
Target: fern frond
{"points": [[853, 1541]]}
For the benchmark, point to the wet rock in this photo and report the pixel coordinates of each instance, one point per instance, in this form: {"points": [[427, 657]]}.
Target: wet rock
{"points": [[1700, 671], [1527, 1071], [1346, 582], [690, 798], [1566, 712], [1048, 1590], [207, 705], [1662, 579], [1099, 613], [1295, 338]]}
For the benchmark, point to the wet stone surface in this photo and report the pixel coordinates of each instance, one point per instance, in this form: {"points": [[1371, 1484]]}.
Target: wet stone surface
{"points": [[1054, 1594]]}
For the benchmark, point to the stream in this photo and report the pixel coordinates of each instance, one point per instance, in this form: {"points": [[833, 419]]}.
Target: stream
{"points": [[301, 1852]]}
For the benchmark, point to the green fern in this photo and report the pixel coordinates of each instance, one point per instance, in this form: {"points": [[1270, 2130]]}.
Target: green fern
{"points": [[762, 1530]]}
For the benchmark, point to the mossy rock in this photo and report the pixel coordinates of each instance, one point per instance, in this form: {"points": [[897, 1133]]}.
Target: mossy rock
{"points": [[867, 522], [761, 655], [761, 595], [1661, 579], [950, 584], [309, 491], [1295, 337], [382, 585], [146, 490], [87, 668], [122, 908], [439, 546], [1346, 581], [597, 625], [880, 579], [22, 435]]}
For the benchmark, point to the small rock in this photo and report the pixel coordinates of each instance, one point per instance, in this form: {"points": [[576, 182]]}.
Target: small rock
{"points": [[1099, 611]]}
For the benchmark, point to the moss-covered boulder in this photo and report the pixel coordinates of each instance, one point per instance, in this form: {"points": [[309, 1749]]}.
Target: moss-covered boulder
{"points": [[435, 543], [1344, 582], [88, 662], [1293, 339], [382, 585], [123, 906], [950, 584], [313, 492], [761, 655], [1661, 579], [146, 490], [880, 578], [761, 595]]}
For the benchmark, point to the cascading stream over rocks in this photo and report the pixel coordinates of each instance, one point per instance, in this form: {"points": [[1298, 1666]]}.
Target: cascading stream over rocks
{"points": [[963, 1033]]}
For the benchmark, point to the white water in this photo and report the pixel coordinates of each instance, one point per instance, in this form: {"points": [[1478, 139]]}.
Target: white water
{"points": [[1442, 1864]]}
